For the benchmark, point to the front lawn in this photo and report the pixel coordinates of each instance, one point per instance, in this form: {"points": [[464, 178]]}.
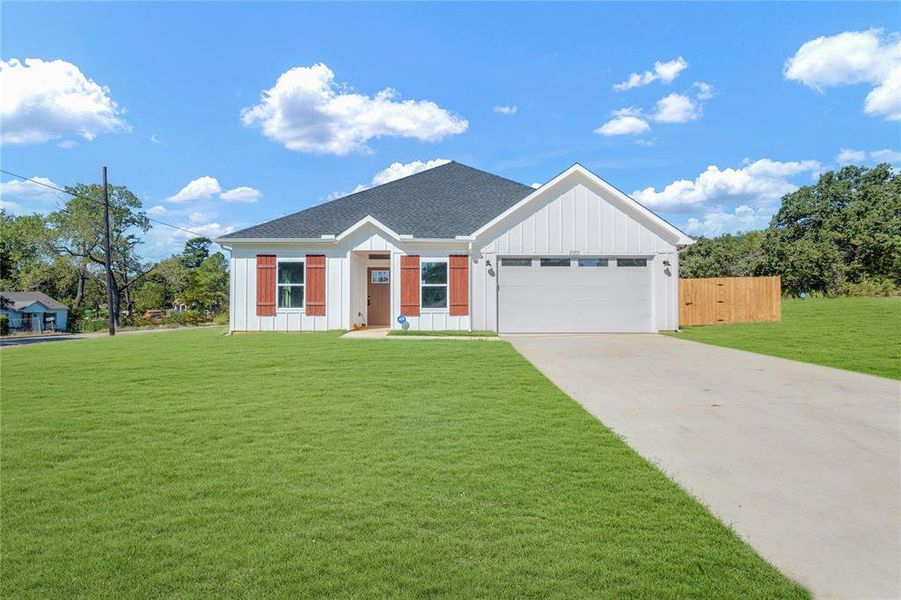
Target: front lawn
{"points": [[858, 334], [195, 464]]}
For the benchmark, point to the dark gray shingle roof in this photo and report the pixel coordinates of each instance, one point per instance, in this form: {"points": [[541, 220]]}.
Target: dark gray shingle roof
{"points": [[442, 202], [20, 300]]}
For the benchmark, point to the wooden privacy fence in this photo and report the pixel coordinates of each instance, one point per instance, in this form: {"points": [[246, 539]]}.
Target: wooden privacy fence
{"points": [[729, 300]]}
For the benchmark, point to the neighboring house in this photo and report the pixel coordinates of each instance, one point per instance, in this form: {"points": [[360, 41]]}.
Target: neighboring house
{"points": [[458, 248], [33, 311]]}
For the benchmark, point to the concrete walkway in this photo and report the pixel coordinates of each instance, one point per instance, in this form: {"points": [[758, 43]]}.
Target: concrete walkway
{"points": [[803, 461]]}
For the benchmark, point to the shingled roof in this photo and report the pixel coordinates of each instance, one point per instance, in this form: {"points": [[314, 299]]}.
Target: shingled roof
{"points": [[442, 202], [20, 300]]}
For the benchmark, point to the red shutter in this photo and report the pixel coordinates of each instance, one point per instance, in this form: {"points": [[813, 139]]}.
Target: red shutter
{"points": [[409, 286], [459, 285], [265, 285], [314, 284]]}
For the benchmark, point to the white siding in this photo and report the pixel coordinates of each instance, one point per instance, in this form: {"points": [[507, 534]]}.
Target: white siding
{"points": [[345, 283], [576, 218]]}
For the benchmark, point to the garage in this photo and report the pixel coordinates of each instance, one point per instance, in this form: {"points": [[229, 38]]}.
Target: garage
{"points": [[553, 294]]}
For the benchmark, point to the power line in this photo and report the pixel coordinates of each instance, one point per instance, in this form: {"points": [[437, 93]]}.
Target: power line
{"points": [[74, 195]]}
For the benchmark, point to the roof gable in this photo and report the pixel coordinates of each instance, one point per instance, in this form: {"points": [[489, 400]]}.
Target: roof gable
{"points": [[21, 300], [622, 201], [443, 202]]}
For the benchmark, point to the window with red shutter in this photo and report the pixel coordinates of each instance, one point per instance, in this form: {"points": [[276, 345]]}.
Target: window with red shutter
{"points": [[409, 286], [315, 282], [265, 285], [459, 285]]}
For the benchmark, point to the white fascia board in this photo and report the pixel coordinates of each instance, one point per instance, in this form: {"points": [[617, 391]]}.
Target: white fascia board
{"points": [[368, 220], [222, 241], [643, 213]]}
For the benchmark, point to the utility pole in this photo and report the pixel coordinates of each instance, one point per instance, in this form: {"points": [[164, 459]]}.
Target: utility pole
{"points": [[110, 282]]}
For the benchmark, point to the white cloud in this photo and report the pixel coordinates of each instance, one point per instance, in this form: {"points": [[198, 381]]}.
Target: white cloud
{"points": [[398, 170], [846, 156], [506, 110], [676, 108], [760, 183], [45, 100], [850, 157], [625, 121], [853, 57], [206, 188], [719, 221], [156, 139], [705, 91], [68, 144], [886, 155], [391, 172], [535, 186], [663, 71], [307, 111], [157, 211], [202, 188], [241, 194], [25, 197]]}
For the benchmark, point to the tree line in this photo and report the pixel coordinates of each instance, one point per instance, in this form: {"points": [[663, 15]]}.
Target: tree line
{"points": [[838, 236], [62, 255]]}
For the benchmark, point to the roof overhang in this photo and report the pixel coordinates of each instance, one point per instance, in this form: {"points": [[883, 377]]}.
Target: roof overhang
{"points": [[625, 202], [368, 220]]}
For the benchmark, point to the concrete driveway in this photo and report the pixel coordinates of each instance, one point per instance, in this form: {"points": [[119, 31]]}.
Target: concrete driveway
{"points": [[804, 462]]}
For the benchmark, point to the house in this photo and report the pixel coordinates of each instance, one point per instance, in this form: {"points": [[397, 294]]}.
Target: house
{"points": [[457, 248], [33, 311]]}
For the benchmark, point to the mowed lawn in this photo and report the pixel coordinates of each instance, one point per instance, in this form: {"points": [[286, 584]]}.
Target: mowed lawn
{"points": [[858, 334], [195, 464]]}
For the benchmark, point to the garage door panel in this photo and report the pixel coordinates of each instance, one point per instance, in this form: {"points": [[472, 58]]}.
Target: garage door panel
{"points": [[574, 299]]}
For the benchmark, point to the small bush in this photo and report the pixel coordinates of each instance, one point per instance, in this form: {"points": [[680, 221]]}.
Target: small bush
{"points": [[4, 325], [190, 317], [89, 325], [220, 319], [870, 287], [140, 321]]}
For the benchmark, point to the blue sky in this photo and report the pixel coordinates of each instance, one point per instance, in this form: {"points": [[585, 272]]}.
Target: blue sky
{"points": [[165, 96]]}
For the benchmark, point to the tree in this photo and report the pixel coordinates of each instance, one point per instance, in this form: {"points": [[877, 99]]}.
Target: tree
{"points": [[844, 229], [207, 289], [77, 231], [196, 251], [22, 247], [725, 256]]}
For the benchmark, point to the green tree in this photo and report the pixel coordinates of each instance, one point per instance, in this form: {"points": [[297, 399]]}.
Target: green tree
{"points": [[77, 231], [724, 256], [207, 289], [845, 228], [196, 251]]}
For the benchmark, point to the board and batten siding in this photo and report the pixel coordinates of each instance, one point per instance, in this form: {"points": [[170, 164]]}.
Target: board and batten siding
{"points": [[575, 219], [345, 284]]}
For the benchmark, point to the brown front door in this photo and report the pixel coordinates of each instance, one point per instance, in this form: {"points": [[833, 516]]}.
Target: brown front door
{"points": [[378, 296]]}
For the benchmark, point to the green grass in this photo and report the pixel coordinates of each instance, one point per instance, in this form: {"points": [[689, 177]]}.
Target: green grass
{"points": [[194, 464], [858, 334], [443, 333]]}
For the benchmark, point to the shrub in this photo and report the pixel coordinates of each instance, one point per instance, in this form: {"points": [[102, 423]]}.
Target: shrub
{"points": [[89, 325], [220, 319], [190, 317], [4, 325], [870, 287]]}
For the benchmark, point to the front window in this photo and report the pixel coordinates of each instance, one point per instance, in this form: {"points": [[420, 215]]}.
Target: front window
{"points": [[434, 283], [555, 262], [290, 284]]}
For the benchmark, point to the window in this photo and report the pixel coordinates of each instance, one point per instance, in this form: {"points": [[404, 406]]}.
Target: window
{"points": [[379, 276], [516, 262], [593, 262], [631, 262], [555, 262], [434, 283], [290, 284]]}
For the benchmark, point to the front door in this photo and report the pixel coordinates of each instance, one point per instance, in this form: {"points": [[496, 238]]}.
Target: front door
{"points": [[378, 294]]}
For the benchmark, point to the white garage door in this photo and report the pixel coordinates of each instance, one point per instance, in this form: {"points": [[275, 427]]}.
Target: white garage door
{"points": [[582, 295]]}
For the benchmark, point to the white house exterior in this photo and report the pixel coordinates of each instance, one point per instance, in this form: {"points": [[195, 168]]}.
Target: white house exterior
{"points": [[575, 255], [33, 311]]}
